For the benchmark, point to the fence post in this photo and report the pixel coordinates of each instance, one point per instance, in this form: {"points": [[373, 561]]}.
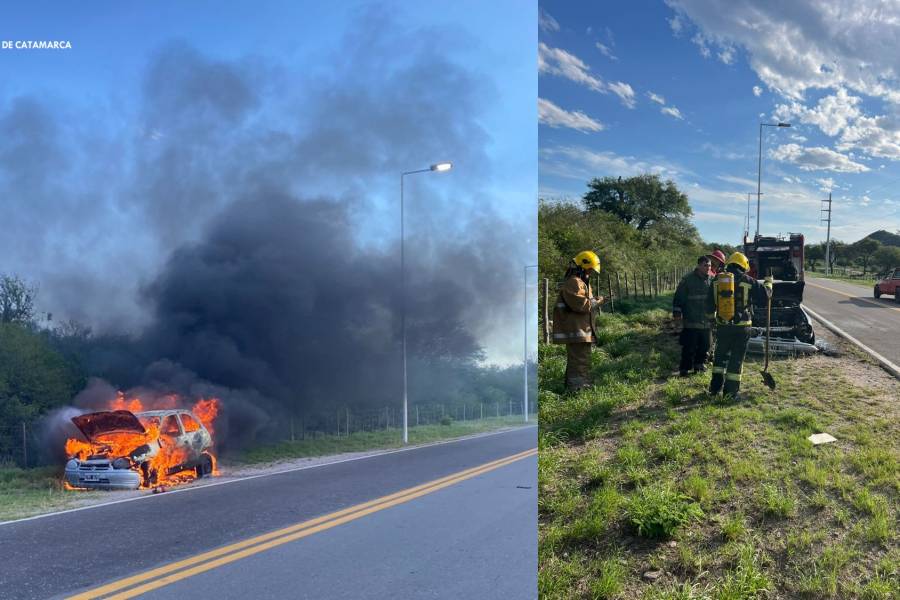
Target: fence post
{"points": [[643, 285], [625, 275], [24, 446], [618, 285], [612, 304], [482, 410], [546, 311], [417, 415], [498, 409], [510, 408]]}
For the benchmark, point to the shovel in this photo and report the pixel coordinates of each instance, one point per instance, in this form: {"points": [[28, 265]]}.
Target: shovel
{"points": [[766, 376]]}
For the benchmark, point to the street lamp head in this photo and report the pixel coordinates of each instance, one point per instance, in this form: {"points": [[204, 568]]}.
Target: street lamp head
{"points": [[442, 166], [784, 124]]}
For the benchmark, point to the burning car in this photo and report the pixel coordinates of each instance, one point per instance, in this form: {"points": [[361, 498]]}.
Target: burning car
{"points": [[127, 451]]}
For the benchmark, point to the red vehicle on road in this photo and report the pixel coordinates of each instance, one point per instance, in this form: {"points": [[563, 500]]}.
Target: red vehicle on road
{"points": [[889, 285]]}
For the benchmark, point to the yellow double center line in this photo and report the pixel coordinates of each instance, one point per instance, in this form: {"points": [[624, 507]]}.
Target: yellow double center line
{"points": [[172, 572]]}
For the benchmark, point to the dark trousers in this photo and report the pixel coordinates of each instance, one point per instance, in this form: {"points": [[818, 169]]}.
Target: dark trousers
{"points": [[694, 348], [728, 360], [578, 365]]}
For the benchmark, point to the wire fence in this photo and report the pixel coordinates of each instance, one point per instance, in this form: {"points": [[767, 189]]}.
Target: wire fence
{"points": [[346, 421], [20, 444], [615, 286]]}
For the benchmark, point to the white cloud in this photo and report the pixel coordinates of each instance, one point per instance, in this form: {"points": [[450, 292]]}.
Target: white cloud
{"points": [[546, 22], [726, 55], [700, 41], [656, 98], [580, 163], [817, 158], [676, 24], [876, 136], [605, 51], [623, 91], [556, 61], [672, 112], [826, 184], [757, 91], [553, 116], [814, 45]]}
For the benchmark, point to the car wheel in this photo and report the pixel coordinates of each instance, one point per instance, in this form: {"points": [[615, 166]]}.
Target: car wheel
{"points": [[877, 292], [205, 466]]}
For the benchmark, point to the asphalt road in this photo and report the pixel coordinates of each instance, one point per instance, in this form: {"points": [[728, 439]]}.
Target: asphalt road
{"points": [[875, 323], [472, 536]]}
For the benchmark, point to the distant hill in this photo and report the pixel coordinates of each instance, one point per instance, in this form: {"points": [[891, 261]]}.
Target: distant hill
{"points": [[885, 237]]}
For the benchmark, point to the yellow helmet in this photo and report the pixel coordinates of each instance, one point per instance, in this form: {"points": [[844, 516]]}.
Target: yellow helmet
{"points": [[587, 260], [740, 260]]}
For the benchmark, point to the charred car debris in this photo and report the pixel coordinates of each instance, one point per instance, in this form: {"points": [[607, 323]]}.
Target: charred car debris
{"points": [[127, 451], [791, 330]]}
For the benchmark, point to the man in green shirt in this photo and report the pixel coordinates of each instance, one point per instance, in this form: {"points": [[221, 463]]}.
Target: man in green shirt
{"points": [[689, 309]]}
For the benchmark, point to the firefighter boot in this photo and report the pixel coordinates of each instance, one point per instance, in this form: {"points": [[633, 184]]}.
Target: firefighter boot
{"points": [[732, 385], [718, 378]]}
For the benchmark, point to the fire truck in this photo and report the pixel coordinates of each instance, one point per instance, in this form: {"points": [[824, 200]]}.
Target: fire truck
{"points": [[780, 256]]}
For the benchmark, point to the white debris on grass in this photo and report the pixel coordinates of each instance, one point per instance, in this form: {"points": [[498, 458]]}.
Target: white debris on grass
{"points": [[821, 438]]}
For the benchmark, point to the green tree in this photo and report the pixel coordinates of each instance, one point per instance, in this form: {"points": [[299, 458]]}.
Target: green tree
{"points": [[886, 257], [16, 300], [639, 201], [864, 249], [34, 378], [814, 253]]}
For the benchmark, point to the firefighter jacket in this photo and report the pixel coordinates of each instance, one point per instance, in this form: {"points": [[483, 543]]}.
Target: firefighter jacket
{"points": [[572, 313], [747, 291], [690, 301]]}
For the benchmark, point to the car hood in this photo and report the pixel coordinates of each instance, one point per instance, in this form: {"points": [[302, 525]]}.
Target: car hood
{"points": [[111, 421], [790, 291]]}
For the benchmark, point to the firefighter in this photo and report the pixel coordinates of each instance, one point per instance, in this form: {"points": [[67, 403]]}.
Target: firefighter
{"points": [[689, 309], [730, 302], [717, 261], [572, 319]]}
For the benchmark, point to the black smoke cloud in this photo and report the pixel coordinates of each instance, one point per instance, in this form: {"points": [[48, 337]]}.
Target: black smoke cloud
{"points": [[247, 238]]}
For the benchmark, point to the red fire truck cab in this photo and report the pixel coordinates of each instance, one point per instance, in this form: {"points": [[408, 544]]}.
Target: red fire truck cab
{"points": [[782, 256]]}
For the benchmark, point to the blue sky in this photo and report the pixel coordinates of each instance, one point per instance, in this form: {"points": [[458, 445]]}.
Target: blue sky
{"points": [[87, 130], [679, 88]]}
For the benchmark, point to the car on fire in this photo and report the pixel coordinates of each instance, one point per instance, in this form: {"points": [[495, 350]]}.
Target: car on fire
{"points": [[889, 284], [128, 450]]}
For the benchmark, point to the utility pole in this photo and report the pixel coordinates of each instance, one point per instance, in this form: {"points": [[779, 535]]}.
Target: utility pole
{"points": [[827, 235]]}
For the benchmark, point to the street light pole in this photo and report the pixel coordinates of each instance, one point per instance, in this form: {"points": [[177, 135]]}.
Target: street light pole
{"points": [[444, 166], [759, 168], [525, 337]]}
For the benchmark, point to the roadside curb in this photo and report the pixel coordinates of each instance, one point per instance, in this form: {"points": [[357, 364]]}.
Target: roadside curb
{"points": [[885, 363]]}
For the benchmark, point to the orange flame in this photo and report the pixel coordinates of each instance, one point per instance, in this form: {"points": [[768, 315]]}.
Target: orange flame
{"points": [[169, 463]]}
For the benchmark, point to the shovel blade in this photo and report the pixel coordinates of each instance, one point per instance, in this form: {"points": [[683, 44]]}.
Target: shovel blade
{"points": [[768, 379]]}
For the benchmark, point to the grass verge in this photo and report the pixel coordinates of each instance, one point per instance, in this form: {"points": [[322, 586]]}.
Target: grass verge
{"points": [[650, 488], [368, 440]]}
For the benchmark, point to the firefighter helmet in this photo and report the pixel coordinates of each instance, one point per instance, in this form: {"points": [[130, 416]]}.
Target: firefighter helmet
{"points": [[587, 260], [718, 255], [740, 260]]}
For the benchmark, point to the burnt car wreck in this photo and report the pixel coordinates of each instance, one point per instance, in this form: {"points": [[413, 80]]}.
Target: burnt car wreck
{"points": [[791, 328]]}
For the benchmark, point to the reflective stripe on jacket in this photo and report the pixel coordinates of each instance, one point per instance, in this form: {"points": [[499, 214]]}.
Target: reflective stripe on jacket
{"points": [[572, 313]]}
